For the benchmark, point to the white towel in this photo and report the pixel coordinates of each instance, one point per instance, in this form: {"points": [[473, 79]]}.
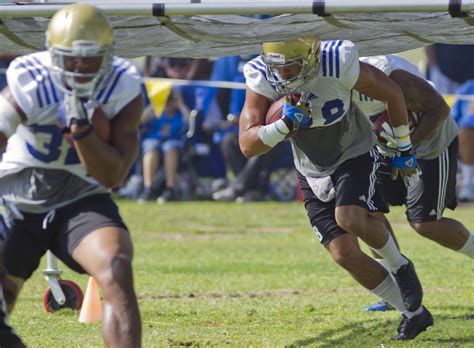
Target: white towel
{"points": [[323, 188]]}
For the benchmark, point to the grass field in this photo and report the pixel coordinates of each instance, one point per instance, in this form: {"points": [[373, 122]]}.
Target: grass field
{"points": [[254, 275]]}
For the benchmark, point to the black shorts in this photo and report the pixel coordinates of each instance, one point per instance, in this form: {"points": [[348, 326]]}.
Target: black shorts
{"points": [[435, 191], [356, 183], [65, 228]]}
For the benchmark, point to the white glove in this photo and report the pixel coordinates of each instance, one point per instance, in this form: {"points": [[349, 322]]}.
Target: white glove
{"points": [[76, 110]]}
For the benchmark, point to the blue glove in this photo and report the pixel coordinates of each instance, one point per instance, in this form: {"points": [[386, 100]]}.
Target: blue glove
{"points": [[405, 164], [296, 115]]}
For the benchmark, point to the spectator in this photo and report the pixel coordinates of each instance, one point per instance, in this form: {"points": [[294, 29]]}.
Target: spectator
{"points": [[449, 66], [252, 180], [251, 176], [164, 139], [5, 60], [463, 113]]}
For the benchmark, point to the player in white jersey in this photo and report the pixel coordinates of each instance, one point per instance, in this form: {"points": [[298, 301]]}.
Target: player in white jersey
{"points": [[62, 187], [435, 141], [331, 137]]}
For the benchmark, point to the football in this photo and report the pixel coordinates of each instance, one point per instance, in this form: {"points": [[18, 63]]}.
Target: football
{"points": [[275, 112], [383, 123]]}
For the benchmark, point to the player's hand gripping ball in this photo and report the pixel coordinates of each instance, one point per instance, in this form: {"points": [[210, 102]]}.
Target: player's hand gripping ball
{"points": [[281, 106]]}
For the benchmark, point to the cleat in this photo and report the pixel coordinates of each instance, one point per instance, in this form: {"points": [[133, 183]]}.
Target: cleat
{"points": [[145, 196], [226, 195], [410, 286], [410, 328], [380, 306], [168, 195]]}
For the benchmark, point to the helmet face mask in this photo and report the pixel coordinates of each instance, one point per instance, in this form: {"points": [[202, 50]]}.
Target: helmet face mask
{"points": [[80, 41], [290, 64]]}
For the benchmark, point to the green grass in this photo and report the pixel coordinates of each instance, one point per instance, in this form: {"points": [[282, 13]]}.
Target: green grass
{"points": [[255, 275]]}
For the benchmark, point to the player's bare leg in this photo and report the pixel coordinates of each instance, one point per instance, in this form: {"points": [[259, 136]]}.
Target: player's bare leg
{"points": [[11, 289], [449, 233], [369, 227], [106, 254], [345, 251]]}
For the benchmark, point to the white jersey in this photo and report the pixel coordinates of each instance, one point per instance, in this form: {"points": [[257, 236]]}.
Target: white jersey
{"points": [[329, 94], [387, 64], [40, 171], [39, 142], [339, 131], [429, 148]]}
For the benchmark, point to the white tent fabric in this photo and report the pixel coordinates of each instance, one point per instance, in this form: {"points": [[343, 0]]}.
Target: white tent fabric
{"points": [[220, 35]]}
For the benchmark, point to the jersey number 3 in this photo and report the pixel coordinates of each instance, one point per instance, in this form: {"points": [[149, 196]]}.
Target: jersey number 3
{"points": [[51, 150]]}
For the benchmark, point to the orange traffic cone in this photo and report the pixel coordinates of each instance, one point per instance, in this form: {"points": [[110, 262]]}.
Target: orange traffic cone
{"points": [[91, 310]]}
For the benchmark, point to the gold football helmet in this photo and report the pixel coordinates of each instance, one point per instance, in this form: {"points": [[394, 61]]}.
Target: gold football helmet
{"points": [[80, 40], [291, 63]]}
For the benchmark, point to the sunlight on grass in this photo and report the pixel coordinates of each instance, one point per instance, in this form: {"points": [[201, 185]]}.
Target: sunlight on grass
{"points": [[233, 275]]}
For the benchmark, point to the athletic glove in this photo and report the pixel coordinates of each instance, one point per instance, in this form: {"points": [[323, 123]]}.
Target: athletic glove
{"points": [[75, 110], [405, 164], [296, 116]]}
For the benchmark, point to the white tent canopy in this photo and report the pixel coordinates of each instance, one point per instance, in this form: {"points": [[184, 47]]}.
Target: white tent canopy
{"points": [[171, 29]]}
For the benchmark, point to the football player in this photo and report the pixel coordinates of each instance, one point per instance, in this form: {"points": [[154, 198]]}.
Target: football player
{"points": [[434, 138], [62, 187], [8, 338], [333, 139]]}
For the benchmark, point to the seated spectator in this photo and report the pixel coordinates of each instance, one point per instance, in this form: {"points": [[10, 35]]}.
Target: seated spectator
{"points": [[252, 178], [164, 139], [463, 113]]}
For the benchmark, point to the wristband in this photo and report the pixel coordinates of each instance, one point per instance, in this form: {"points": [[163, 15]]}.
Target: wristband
{"points": [[273, 133], [83, 134], [402, 137]]}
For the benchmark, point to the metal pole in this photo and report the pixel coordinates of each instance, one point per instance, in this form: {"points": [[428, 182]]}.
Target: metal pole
{"points": [[224, 8]]}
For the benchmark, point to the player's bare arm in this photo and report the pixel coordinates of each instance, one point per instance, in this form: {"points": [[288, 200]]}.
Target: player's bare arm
{"points": [[421, 98], [10, 117], [374, 83], [110, 163], [252, 118]]}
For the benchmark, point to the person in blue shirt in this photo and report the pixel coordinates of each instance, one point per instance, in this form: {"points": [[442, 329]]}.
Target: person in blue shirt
{"points": [[463, 113], [164, 138]]}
